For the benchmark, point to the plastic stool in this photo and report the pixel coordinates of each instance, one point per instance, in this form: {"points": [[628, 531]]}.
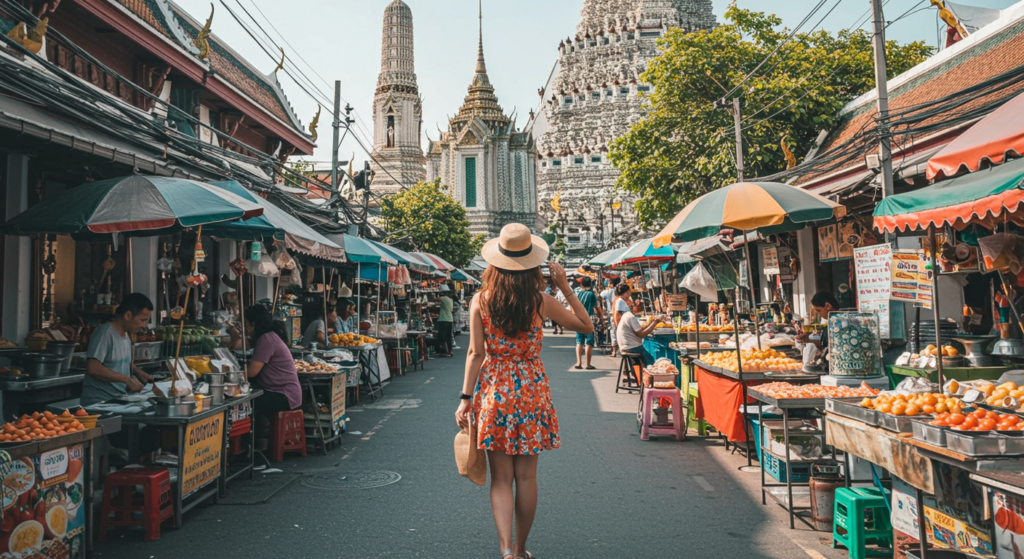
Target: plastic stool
{"points": [[157, 501], [288, 434], [852, 527], [678, 426], [628, 367]]}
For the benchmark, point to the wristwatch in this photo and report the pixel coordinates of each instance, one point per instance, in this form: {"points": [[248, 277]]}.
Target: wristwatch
{"points": [[465, 396]]}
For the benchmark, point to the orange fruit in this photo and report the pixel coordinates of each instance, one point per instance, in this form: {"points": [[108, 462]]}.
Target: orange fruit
{"points": [[912, 409], [928, 409], [899, 408]]}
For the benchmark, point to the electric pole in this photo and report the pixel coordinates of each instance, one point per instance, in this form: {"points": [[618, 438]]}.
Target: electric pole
{"points": [[736, 114], [885, 148], [336, 143]]}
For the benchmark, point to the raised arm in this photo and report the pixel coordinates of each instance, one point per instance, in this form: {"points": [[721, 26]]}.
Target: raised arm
{"points": [[578, 320]]}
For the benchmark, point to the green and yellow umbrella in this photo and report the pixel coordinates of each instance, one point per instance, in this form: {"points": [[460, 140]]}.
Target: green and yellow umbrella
{"points": [[768, 207]]}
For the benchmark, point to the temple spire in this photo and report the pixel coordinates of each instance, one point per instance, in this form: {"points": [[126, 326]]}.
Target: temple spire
{"points": [[481, 66]]}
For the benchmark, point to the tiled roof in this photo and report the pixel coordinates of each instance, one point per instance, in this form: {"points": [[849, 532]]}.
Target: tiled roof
{"points": [[174, 23], [917, 91]]}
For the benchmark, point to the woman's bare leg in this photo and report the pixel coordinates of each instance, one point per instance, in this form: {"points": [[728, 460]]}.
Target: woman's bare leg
{"points": [[526, 499], [502, 502]]}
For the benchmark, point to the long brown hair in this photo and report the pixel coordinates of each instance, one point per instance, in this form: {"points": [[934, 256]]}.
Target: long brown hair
{"points": [[512, 299]]}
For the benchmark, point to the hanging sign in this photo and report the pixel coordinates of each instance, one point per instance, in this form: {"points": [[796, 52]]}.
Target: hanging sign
{"points": [[828, 243], [770, 259], [911, 282], [204, 444], [873, 269]]}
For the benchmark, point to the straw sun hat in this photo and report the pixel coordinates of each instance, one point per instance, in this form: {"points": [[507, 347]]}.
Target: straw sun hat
{"points": [[516, 249]]}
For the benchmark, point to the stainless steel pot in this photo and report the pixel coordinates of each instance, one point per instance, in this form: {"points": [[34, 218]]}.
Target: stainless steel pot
{"points": [[217, 394], [66, 350], [173, 407], [1009, 348], [40, 365], [215, 379], [235, 377]]}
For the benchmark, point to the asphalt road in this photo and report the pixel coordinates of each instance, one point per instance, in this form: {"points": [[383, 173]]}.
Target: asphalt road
{"points": [[605, 494]]}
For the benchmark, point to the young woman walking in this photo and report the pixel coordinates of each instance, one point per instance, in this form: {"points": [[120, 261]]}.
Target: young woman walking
{"points": [[505, 385]]}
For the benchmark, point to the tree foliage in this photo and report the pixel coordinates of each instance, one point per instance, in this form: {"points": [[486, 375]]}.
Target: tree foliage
{"points": [[427, 218], [685, 147]]}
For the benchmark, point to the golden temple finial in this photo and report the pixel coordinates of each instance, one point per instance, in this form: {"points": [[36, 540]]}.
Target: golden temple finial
{"points": [[203, 38], [950, 19], [790, 158], [280, 64], [315, 122]]}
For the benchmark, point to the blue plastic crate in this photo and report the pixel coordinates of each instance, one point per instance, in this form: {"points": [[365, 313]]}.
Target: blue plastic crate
{"points": [[776, 467]]}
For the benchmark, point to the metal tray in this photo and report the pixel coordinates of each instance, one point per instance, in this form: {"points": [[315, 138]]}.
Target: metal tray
{"points": [[987, 445], [850, 407], [900, 423], [931, 434], [784, 403]]}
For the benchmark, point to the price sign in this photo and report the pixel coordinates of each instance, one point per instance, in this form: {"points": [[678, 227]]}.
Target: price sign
{"points": [[873, 268]]}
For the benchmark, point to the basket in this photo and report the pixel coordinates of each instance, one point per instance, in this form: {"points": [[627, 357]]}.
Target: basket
{"points": [[88, 420]]}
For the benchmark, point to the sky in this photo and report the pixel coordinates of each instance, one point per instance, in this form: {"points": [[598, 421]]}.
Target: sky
{"points": [[331, 40]]}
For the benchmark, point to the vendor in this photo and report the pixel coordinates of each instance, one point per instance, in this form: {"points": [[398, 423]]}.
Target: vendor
{"points": [[271, 367], [824, 304], [345, 321], [631, 335], [109, 371], [317, 331]]}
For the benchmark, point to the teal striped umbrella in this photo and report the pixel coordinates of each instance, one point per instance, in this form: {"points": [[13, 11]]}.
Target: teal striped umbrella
{"points": [[644, 251], [608, 257]]}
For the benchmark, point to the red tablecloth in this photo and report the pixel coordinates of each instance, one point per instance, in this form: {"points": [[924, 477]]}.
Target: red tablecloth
{"points": [[719, 402]]}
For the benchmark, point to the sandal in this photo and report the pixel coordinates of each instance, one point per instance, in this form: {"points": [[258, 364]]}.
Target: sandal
{"points": [[591, 368], [527, 556], [508, 553]]}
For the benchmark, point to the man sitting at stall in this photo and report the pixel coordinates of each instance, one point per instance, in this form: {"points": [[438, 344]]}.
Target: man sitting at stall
{"points": [[317, 330], [109, 372], [824, 304], [345, 322], [631, 335]]}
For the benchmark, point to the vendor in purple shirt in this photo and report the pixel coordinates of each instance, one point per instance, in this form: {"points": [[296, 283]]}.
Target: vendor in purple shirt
{"points": [[271, 367]]}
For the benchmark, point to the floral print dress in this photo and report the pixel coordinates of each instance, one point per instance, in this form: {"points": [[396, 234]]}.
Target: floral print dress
{"points": [[513, 405]]}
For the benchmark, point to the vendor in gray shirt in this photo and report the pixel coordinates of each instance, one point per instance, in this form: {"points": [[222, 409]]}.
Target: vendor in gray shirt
{"points": [[109, 372]]}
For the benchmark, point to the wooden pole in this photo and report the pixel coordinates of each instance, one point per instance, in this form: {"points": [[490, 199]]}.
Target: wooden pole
{"points": [[935, 306], [750, 288], [181, 325]]}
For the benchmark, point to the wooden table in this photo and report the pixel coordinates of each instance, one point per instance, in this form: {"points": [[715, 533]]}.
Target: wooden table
{"points": [[335, 383]]}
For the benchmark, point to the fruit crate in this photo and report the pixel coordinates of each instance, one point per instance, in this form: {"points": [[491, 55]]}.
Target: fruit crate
{"points": [[776, 467]]}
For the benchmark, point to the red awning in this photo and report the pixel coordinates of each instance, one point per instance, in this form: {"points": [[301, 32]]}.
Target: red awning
{"points": [[988, 142]]}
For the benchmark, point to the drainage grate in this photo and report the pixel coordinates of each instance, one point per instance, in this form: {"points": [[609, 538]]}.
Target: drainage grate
{"points": [[354, 480]]}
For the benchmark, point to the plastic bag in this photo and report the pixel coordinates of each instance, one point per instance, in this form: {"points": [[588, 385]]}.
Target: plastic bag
{"points": [[998, 251], [292, 277], [699, 281], [810, 353], [264, 267], [282, 259]]}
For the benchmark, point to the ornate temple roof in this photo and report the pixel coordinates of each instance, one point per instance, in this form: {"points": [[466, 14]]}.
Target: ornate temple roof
{"points": [[172, 22], [481, 102]]}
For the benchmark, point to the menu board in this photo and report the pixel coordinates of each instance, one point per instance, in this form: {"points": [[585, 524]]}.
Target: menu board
{"points": [[873, 268], [911, 282], [770, 260], [947, 532], [43, 497], [204, 445], [338, 398], [676, 303]]}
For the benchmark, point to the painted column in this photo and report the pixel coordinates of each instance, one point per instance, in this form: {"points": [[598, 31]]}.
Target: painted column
{"points": [[17, 255]]}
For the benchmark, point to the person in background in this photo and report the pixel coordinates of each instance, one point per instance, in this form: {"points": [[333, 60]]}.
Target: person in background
{"points": [[345, 321], [456, 325], [608, 296], [623, 298], [585, 342], [109, 372], [631, 335], [444, 324], [823, 303], [271, 367], [317, 330], [560, 297]]}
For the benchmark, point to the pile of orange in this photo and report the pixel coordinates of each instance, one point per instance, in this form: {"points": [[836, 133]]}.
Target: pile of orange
{"points": [[39, 426], [913, 404], [980, 420]]}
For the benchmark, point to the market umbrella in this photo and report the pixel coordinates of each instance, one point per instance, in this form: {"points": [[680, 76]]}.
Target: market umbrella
{"points": [[297, 236], [135, 204], [643, 251], [404, 258], [766, 206], [437, 261], [989, 141], [607, 257]]}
